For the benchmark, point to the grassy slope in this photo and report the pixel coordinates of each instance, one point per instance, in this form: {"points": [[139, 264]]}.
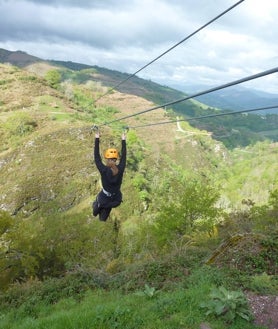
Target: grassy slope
{"points": [[42, 129], [233, 131], [46, 168], [41, 155], [47, 149], [105, 310]]}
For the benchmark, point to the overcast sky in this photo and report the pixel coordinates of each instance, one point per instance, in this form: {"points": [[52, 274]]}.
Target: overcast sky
{"points": [[125, 35]]}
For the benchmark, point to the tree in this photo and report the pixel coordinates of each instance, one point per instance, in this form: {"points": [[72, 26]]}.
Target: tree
{"points": [[264, 218], [53, 77], [191, 209]]}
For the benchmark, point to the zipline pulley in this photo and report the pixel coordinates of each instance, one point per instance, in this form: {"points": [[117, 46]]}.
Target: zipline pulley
{"points": [[125, 130], [95, 128]]}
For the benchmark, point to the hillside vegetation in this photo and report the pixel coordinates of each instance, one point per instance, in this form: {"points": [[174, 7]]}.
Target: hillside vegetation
{"points": [[198, 222], [233, 131]]}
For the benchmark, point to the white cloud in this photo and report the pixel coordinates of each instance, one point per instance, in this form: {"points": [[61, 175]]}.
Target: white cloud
{"points": [[125, 35]]}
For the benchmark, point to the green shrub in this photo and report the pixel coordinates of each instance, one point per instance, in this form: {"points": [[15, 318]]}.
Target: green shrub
{"points": [[191, 210], [264, 284], [50, 291], [148, 292], [20, 124], [53, 77], [227, 304]]}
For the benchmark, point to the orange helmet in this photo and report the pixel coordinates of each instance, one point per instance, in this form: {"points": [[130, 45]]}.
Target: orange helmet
{"points": [[111, 154]]}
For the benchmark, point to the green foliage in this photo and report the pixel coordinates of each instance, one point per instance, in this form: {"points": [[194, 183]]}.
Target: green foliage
{"points": [[265, 217], [65, 303], [29, 78], [149, 292], [53, 77], [233, 131], [84, 103], [157, 273], [78, 76], [273, 199], [15, 128], [264, 284], [239, 130], [250, 240], [25, 252], [82, 100], [192, 209], [75, 284], [6, 81], [135, 152], [249, 174], [265, 258], [54, 255], [206, 275], [141, 184], [19, 124], [6, 222], [251, 254], [139, 181], [46, 247], [229, 304]]}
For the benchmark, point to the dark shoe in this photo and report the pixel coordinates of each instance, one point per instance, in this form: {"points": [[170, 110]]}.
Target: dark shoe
{"points": [[104, 214], [96, 209]]}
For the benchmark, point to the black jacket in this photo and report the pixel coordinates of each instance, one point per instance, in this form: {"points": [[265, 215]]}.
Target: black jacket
{"points": [[110, 183]]}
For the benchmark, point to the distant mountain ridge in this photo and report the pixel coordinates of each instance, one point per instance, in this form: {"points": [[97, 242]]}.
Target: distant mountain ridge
{"points": [[136, 86], [235, 98], [18, 58]]}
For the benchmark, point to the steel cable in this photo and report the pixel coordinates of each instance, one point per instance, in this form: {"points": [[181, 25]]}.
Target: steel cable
{"points": [[168, 50], [233, 83]]}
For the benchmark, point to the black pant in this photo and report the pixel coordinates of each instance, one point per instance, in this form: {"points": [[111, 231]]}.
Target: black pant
{"points": [[103, 204]]}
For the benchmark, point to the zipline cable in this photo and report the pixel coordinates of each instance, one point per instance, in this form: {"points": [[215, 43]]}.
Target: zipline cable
{"points": [[205, 116], [251, 77], [168, 50]]}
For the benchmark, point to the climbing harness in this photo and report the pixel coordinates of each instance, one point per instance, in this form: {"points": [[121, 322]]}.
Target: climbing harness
{"points": [[108, 193]]}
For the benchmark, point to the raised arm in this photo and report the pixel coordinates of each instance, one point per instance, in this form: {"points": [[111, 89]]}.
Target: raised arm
{"points": [[122, 163], [97, 156]]}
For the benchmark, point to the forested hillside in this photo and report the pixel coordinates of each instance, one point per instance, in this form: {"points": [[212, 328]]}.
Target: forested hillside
{"points": [[233, 131], [198, 222]]}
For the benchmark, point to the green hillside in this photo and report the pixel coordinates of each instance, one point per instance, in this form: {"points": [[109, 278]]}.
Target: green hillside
{"points": [[233, 131], [195, 216]]}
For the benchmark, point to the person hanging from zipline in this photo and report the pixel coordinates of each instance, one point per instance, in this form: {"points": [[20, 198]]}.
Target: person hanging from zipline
{"points": [[111, 178]]}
